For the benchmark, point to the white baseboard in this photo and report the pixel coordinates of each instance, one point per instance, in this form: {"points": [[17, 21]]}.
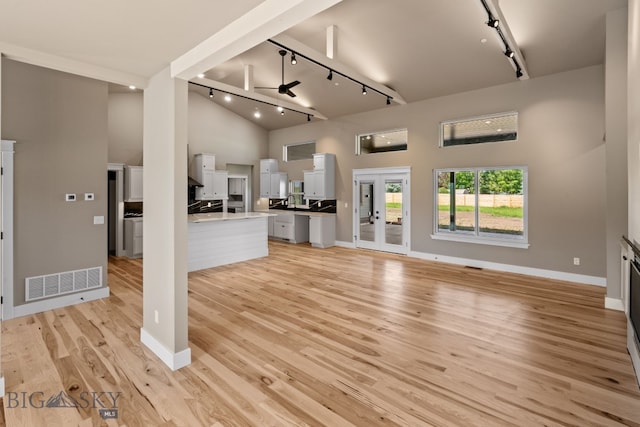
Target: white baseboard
{"points": [[59, 302], [173, 360], [508, 268], [349, 245], [613, 304]]}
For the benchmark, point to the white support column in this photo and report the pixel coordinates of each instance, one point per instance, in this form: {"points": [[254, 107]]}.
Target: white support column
{"points": [[332, 42], [165, 316]]}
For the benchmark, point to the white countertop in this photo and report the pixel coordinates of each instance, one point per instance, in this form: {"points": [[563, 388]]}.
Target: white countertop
{"points": [[226, 216], [304, 213]]}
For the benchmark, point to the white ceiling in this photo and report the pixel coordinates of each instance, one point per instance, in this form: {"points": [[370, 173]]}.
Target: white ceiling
{"points": [[420, 48]]}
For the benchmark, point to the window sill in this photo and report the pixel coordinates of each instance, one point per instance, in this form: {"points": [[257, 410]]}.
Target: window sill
{"points": [[481, 240]]}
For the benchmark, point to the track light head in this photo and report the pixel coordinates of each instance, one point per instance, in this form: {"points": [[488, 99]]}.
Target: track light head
{"points": [[294, 61], [210, 93], [330, 76], [493, 23], [308, 117], [518, 73], [509, 53], [364, 90], [388, 100]]}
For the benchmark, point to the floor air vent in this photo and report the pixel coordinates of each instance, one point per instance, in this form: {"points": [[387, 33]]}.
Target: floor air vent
{"points": [[62, 283]]}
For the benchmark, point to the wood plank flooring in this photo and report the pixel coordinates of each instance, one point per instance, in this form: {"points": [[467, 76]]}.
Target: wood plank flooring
{"points": [[332, 337]]}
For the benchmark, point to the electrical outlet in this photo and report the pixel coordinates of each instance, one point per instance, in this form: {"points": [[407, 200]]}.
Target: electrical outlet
{"points": [[70, 197], [89, 197], [576, 261], [156, 317], [346, 205]]}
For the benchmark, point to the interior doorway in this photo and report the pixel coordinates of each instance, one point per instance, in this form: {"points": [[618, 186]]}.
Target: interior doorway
{"points": [[382, 208]]}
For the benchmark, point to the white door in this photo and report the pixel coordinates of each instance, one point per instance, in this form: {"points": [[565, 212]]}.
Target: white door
{"points": [[381, 219]]}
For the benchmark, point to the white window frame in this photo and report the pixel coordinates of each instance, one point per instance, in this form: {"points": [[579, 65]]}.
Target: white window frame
{"points": [[475, 236], [381, 132], [285, 148]]}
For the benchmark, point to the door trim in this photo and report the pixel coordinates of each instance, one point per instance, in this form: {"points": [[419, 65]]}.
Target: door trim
{"points": [[404, 170]]}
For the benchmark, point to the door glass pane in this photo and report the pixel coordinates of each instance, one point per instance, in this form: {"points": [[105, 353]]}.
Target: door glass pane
{"points": [[501, 202], [367, 223], [393, 212], [445, 190], [465, 202]]}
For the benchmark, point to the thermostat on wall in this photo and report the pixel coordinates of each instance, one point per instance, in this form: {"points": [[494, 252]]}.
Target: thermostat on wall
{"points": [[70, 197]]}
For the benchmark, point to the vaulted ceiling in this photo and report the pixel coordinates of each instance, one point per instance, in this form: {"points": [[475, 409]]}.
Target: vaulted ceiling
{"points": [[420, 48]]}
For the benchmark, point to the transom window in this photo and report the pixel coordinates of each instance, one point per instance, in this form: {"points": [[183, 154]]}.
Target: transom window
{"points": [[482, 205], [382, 142], [298, 151], [479, 130]]}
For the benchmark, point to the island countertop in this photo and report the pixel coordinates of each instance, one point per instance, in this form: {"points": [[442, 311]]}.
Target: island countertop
{"points": [[226, 216]]}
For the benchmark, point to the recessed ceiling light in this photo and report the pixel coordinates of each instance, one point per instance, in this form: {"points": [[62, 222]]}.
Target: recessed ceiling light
{"points": [[488, 122], [227, 98], [257, 114], [201, 76], [368, 136], [499, 130], [483, 40], [280, 109], [132, 87]]}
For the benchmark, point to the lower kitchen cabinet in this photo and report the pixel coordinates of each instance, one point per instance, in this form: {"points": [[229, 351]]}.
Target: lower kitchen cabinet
{"points": [[293, 228], [133, 237], [322, 231]]}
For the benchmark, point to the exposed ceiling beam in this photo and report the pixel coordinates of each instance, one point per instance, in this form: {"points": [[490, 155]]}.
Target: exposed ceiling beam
{"points": [[266, 20], [248, 78], [71, 66], [336, 66], [234, 90], [332, 42], [496, 12]]}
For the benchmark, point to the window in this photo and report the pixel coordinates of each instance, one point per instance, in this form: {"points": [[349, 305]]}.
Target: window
{"points": [[381, 142], [479, 130], [298, 151], [483, 205]]}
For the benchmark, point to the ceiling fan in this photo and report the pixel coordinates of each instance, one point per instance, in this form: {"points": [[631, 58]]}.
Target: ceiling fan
{"points": [[284, 88]]}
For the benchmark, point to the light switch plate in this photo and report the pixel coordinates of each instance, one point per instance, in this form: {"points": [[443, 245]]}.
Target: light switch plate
{"points": [[70, 197], [98, 220], [89, 197]]}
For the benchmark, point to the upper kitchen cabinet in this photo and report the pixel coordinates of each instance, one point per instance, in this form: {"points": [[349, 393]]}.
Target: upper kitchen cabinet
{"points": [[273, 184], [214, 183], [320, 183], [268, 165], [133, 183]]}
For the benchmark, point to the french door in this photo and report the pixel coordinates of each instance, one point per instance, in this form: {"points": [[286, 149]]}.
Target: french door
{"points": [[381, 214]]}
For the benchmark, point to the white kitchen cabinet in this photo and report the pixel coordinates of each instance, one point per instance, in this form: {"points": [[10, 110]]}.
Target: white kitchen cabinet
{"points": [[214, 185], [235, 186], [133, 183], [279, 185], [322, 230], [319, 184], [133, 237], [271, 226], [204, 161], [268, 165], [293, 228]]}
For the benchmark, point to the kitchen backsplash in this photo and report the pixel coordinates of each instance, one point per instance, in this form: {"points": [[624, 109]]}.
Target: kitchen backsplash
{"points": [[327, 206]]}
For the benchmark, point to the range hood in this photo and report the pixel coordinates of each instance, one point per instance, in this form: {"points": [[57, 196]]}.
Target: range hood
{"points": [[194, 183]]}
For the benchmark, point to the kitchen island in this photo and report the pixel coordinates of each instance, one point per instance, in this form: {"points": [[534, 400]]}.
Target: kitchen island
{"points": [[216, 239]]}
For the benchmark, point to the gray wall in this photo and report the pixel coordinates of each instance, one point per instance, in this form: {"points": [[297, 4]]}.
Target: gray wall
{"points": [[125, 128], [561, 128], [616, 146], [60, 124], [634, 120]]}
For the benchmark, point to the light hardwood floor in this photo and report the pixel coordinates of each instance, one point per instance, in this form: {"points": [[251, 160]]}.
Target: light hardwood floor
{"points": [[334, 337]]}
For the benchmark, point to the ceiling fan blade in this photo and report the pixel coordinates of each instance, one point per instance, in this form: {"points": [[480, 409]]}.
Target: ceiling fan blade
{"points": [[291, 94], [292, 84]]}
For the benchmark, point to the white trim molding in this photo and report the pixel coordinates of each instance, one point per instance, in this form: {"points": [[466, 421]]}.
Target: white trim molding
{"points": [[59, 302], [173, 360], [508, 268], [613, 304], [348, 245]]}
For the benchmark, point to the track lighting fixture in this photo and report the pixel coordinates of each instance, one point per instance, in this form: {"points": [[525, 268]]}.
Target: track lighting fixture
{"points": [[330, 76], [518, 73], [364, 90], [308, 117], [280, 110], [509, 53], [210, 93], [294, 61], [388, 100], [492, 22]]}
